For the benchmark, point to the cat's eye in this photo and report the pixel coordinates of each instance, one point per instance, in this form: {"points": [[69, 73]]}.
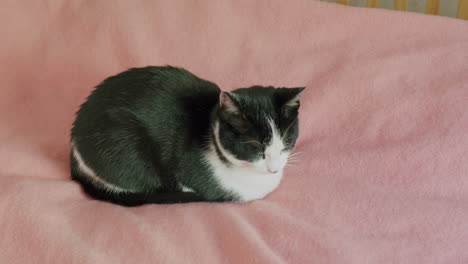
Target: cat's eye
{"points": [[252, 142], [239, 115]]}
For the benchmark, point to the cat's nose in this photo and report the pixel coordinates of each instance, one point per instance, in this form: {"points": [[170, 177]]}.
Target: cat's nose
{"points": [[272, 163], [272, 171]]}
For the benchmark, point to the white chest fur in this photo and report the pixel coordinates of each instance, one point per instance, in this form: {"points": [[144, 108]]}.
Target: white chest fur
{"points": [[245, 183]]}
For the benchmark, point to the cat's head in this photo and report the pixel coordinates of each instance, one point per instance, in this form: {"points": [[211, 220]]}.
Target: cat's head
{"points": [[257, 127]]}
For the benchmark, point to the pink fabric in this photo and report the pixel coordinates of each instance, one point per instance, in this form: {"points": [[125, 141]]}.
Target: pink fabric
{"points": [[383, 176]]}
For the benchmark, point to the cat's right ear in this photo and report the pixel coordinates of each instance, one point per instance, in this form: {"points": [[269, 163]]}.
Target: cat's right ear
{"points": [[227, 103], [231, 113]]}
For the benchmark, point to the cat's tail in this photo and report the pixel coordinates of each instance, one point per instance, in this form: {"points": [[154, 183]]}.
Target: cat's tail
{"points": [[136, 199], [126, 198]]}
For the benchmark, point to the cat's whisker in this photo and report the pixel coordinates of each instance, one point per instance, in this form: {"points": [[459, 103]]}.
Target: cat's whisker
{"points": [[286, 131], [295, 154]]}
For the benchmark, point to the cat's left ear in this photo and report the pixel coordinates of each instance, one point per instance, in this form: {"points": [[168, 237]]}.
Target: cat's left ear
{"points": [[290, 101], [293, 96]]}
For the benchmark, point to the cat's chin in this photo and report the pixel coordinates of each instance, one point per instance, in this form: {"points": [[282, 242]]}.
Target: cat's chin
{"points": [[274, 173], [256, 167], [266, 172], [261, 168]]}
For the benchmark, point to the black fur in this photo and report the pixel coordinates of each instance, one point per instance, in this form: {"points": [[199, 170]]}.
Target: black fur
{"points": [[147, 130]]}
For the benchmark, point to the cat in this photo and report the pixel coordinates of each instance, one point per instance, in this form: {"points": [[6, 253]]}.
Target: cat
{"points": [[163, 135]]}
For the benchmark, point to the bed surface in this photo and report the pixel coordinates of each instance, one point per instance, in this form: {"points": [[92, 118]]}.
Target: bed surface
{"points": [[383, 176]]}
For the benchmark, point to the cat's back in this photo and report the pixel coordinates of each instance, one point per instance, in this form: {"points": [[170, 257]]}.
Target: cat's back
{"points": [[152, 84], [144, 93]]}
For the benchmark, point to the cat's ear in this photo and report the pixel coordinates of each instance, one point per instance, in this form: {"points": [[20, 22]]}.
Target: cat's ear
{"points": [[295, 96], [231, 113], [227, 103], [291, 101]]}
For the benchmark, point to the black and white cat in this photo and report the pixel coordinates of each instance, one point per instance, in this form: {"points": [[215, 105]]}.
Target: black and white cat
{"points": [[163, 135]]}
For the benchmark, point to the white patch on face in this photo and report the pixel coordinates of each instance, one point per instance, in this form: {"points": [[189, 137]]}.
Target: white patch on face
{"points": [[275, 157], [243, 178], [86, 170]]}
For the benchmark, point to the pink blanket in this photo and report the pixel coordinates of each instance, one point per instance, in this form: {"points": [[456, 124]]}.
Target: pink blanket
{"points": [[383, 176]]}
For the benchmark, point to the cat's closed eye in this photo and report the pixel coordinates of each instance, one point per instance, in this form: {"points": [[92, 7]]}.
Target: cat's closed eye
{"points": [[239, 115], [252, 142]]}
